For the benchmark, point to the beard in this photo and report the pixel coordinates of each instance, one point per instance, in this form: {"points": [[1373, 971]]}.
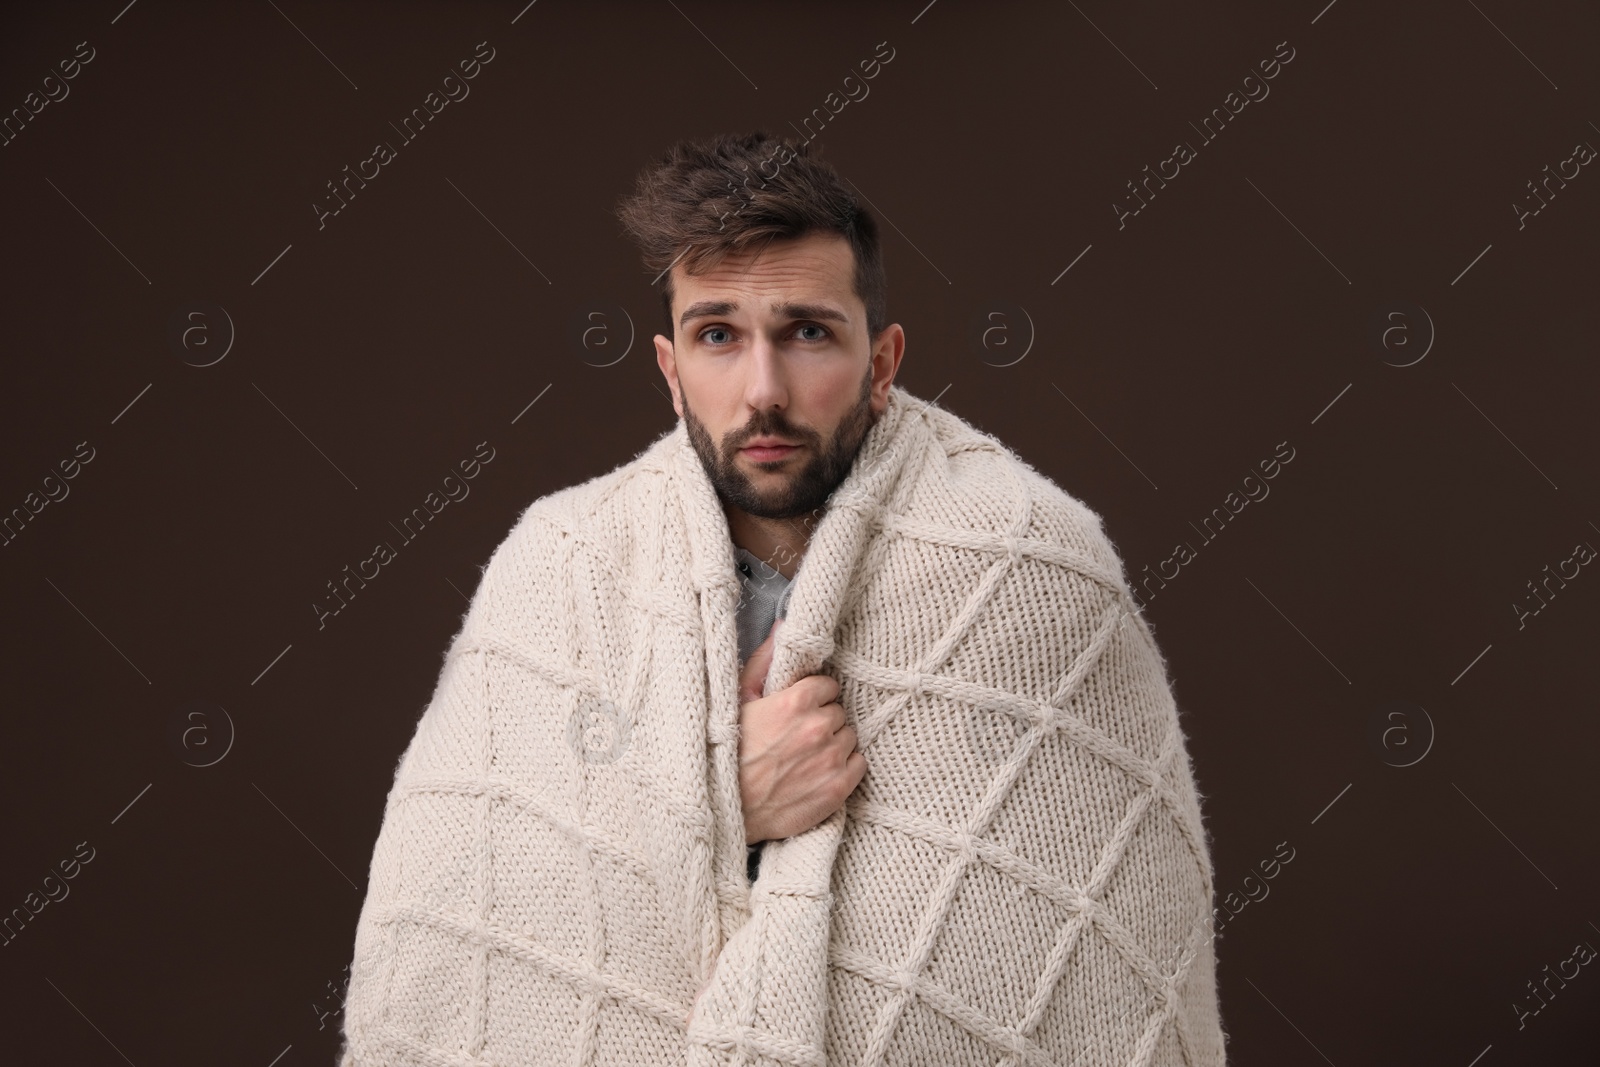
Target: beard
{"points": [[807, 489]]}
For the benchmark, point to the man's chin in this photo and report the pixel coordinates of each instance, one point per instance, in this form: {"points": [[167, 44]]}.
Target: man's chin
{"points": [[775, 501]]}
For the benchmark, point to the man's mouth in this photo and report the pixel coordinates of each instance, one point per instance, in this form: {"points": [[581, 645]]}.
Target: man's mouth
{"points": [[765, 453]]}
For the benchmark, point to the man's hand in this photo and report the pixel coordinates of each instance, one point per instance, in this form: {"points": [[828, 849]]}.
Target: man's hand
{"points": [[797, 758]]}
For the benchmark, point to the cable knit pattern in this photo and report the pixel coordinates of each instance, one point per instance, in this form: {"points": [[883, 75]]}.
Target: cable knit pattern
{"points": [[1021, 878]]}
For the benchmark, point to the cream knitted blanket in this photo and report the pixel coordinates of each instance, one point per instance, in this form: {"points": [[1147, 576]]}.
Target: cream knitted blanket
{"points": [[1021, 878]]}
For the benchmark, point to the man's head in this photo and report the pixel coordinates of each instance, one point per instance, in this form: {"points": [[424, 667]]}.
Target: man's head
{"points": [[775, 300]]}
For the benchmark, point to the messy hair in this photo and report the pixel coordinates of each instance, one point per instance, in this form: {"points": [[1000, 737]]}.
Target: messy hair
{"points": [[704, 199]]}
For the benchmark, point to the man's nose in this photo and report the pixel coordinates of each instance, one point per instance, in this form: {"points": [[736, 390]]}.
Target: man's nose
{"points": [[766, 384]]}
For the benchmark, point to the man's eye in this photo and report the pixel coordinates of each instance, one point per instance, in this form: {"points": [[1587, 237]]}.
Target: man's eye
{"points": [[822, 331], [707, 335]]}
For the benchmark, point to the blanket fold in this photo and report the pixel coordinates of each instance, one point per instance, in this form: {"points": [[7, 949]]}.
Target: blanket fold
{"points": [[1022, 877]]}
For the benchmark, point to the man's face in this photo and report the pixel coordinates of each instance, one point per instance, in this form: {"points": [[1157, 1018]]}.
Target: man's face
{"points": [[775, 374]]}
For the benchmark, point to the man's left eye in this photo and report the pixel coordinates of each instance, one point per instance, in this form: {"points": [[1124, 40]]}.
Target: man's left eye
{"points": [[822, 331]]}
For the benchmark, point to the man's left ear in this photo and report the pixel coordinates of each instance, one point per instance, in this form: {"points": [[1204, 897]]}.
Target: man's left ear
{"points": [[890, 346]]}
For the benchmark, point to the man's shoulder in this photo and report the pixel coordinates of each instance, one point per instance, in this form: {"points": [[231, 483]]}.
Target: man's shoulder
{"points": [[995, 489], [598, 516]]}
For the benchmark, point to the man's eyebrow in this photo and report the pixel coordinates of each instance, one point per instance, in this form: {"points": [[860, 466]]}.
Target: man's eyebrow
{"points": [[812, 311], [706, 308]]}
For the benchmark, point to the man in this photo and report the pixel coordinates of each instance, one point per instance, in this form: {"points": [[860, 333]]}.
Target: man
{"points": [[822, 732]]}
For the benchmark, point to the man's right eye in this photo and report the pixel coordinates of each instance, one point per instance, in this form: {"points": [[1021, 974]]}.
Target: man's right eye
{"points": [[705, 335]]}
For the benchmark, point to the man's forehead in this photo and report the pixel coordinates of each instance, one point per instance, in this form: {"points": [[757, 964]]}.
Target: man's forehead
{"points": [[773, 279]]}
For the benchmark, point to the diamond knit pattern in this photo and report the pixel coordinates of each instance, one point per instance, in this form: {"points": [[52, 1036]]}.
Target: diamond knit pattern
{"points": [[1022, 877]]}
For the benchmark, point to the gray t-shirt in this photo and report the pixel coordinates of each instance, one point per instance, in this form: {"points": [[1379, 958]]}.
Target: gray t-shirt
{"points": [[764, 598]]}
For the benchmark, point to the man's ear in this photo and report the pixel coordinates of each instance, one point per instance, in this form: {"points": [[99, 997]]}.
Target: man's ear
{"points": [[886, 355], [667, 360]]}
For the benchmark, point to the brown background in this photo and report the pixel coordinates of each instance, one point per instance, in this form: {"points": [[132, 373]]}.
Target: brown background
{"points": [[219, 909]]}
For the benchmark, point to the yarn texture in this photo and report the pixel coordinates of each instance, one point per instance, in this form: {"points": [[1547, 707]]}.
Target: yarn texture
{"points": [[1022, 877]]}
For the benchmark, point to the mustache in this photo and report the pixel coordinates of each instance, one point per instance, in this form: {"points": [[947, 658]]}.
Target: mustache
{"points": [[768, 426]]}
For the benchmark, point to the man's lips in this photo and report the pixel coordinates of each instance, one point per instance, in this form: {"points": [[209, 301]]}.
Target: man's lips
{"points": [[766, 453]]}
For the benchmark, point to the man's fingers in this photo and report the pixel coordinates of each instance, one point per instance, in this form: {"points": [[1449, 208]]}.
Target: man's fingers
{"points": [[754, 674], [833, 716], [856, 769], [820, 689]]}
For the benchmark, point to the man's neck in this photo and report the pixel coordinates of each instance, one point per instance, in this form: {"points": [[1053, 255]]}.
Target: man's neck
{"points": [[779, 543]]}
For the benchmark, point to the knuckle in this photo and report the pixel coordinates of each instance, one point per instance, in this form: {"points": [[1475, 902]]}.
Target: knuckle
{"points": [[822, 687], [789, 705], [817, 732]]}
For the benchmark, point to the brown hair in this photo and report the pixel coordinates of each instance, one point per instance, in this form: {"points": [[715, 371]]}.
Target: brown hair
{"points": [[703, 199]]}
